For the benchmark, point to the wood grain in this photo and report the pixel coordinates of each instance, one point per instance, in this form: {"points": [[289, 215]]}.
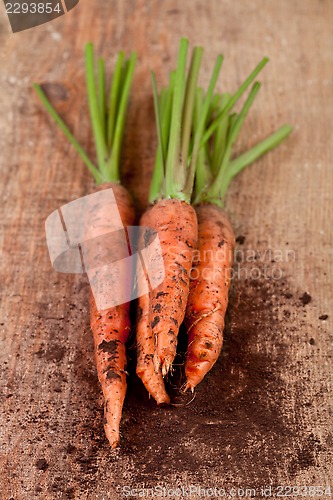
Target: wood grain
{"points": [[52, 444]]}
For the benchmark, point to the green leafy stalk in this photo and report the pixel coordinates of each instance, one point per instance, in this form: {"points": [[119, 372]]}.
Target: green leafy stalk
{"points": [[203, 173], [232, 101], [220, 138], [201, 125], [167, 110], [52, 112], [112, 167], [101, 94], [189, 101], [107, 124], [213, 188], [161, 144], [114, 98], [175, 170], [157, 184], [234, 129], [97, 126], [260, 149]]}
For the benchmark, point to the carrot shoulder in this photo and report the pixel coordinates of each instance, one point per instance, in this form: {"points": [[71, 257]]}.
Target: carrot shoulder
{"points": [[208, 297]]}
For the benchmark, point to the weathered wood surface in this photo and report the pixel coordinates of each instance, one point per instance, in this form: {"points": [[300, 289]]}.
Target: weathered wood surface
{"points": [[52, 442]]}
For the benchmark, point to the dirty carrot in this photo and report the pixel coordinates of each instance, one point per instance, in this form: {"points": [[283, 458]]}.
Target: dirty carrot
{"points": [[170, 212], [110, 326], [210, 283], [152, 380]]}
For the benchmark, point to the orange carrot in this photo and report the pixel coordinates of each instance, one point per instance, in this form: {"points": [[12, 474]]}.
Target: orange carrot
{"points": [[208, 298], [111, 325], [210, 276], [145, 369], [176, 224], [171, 214]]}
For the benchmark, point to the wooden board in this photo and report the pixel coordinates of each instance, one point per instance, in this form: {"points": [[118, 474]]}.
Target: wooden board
{"points": [[52, 441]]}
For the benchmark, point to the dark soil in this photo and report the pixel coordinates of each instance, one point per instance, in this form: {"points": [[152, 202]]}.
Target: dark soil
{"points": [[305, 299]]}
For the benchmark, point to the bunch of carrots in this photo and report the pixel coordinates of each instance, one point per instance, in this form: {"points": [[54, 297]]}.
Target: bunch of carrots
{"points": [[196, 130]]}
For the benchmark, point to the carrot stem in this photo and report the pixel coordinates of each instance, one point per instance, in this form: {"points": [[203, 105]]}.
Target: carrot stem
{"points": [[161, 144], [197, 142], [96, 122], [61, 124], [112, 167], [214, 192], [157, 188], [114, 98], [101, 94], [189, 101], [107, 124], [175, 171], [260, 149], [220, 136], [211, 129], [203, 172]]}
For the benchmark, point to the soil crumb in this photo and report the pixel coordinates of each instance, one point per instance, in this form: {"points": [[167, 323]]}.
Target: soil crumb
{"points": [[305, 299], [42, 464], [240, 240]]}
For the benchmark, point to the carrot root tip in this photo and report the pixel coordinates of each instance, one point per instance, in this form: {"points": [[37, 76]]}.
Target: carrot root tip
{"points": [[164, 404], [157, 363], [188, 386], [166, 366]]}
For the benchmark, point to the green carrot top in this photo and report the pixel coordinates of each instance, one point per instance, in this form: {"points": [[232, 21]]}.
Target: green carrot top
{"points": [[197, 131], [177, 146], [215, 167], [107, 113]]}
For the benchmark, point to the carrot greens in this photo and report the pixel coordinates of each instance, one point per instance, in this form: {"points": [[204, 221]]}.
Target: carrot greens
{"points": [[197, 131], [107, 120], [217, 168], [178, 147]]}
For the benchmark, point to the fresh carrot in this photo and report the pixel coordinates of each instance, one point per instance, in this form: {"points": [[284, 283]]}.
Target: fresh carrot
{"points": [[208, 297], [110, 326], [172, 216], [179, 148], [152, 380], [176, 223]]}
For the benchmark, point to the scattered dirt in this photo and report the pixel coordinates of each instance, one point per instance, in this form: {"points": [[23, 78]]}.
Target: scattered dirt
{"points": [[305, 299], [240, 240], [239, 420], [42, 464]]}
